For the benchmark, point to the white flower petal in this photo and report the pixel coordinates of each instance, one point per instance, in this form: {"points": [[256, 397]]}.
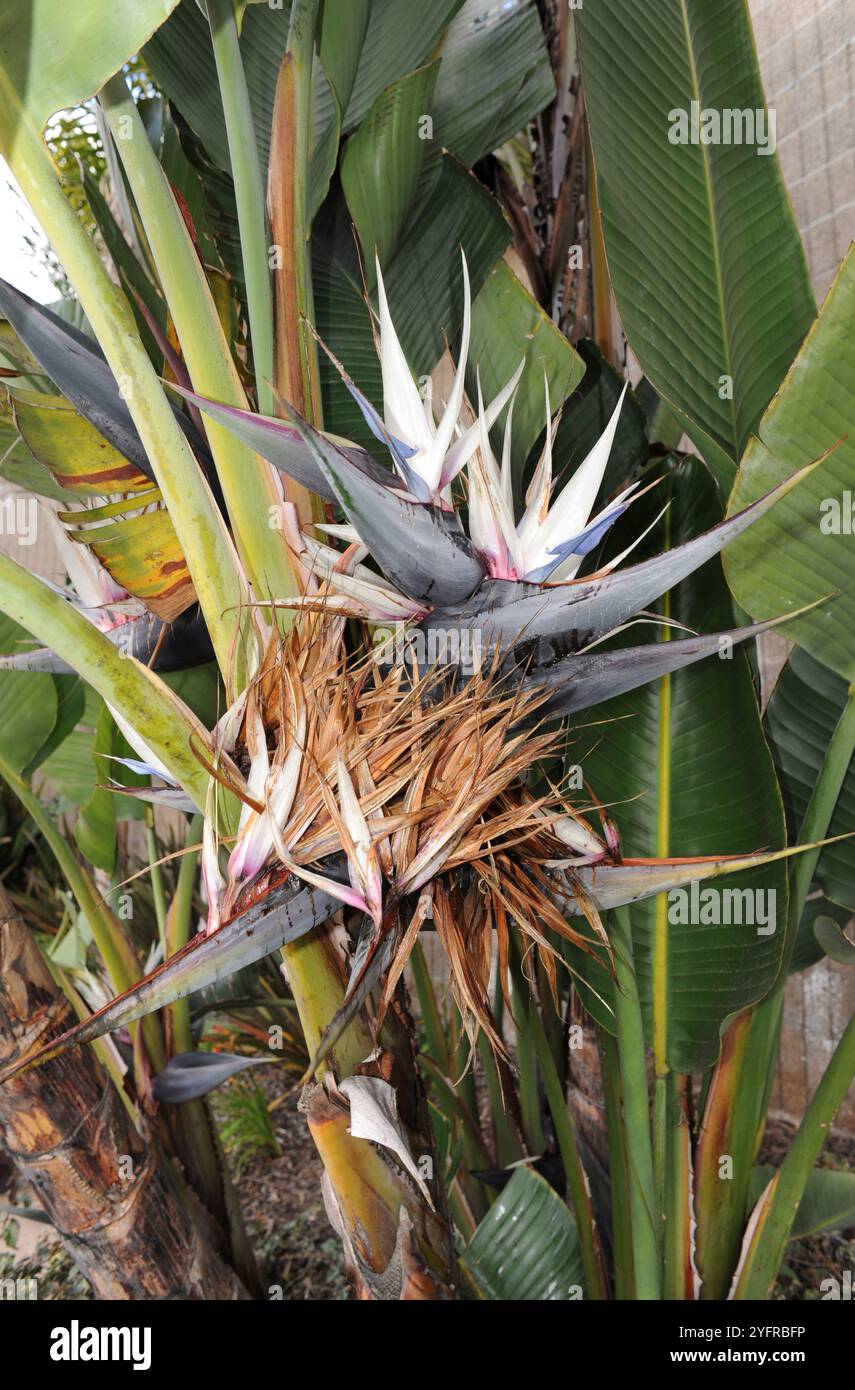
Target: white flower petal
{"points": [[403, 408], [569, 513]]}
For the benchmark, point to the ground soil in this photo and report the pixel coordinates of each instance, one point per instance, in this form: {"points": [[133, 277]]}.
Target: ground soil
{"points": [[298, 1251]]}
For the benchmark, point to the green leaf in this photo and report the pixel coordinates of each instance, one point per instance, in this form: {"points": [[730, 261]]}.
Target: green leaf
{"points": [[28, 704], [69, 768], [95, 828], [81, 460], [804, 549], [340, 37], [705, 257], [686, 771], [383, 162], [801, 717], [526, 1250], [201, 690], [401, 36], [507, 326], [131, 273], [70, 702], [836, 946], [181, 60], [828, 1203], [54, 56], [68, 950], [807, 950], [494, 77]]}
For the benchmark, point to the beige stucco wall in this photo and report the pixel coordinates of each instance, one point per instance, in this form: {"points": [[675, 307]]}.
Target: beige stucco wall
{"points": [[807, 57]]}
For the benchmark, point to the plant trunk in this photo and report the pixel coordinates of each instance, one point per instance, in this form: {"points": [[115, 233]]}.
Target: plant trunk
{"points": [[70, 1136]]}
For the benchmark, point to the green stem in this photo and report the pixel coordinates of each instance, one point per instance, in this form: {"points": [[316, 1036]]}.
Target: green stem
{"points": [[508, 1146], [677, 1273], [301, 45], [454, 1106], [526, 1059], [660, 1153], [247, 482], [437, 1044], [204, 539], [249, 193], [596, 1283], [767, 1249], [157, 888], [633, 1068], [178, 933], [624, 1269]]}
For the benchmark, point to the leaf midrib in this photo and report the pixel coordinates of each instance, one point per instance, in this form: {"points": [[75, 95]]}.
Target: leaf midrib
{"points": [[706, 164]]}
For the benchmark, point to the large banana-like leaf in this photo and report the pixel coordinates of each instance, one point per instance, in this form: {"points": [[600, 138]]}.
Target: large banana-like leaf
{"points": [[401, 35], [806, 549], [494, 77], [341, 34], [382, 164], [686, 770], [283, 916], [140, 551], [81, 460], [508, 325], [54, 56], [705, 258], [801, 717], [827, 1204]]}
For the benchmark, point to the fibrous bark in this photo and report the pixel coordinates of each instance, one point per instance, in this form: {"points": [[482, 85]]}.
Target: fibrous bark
{"points": [[70, 1136]]}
